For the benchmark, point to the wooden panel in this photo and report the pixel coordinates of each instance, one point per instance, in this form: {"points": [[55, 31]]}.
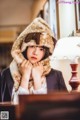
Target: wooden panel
{"points": [[7, 36], [57, 106]]}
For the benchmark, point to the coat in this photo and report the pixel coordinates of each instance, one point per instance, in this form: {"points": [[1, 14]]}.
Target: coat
{"points": [[54, 79]]}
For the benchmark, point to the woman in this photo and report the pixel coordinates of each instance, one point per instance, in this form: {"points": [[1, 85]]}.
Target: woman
{"points": [[30, 71]]}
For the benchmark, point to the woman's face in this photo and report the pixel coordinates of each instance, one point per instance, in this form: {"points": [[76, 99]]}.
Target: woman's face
{"points": [[35, 53]]}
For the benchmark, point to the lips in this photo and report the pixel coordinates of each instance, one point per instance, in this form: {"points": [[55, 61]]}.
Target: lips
{"points": [[34, 58]]}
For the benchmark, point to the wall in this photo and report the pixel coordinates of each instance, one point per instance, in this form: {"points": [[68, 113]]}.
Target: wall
{"points": [[15, 12], [66, 18], [19, 12], [38, 5]]}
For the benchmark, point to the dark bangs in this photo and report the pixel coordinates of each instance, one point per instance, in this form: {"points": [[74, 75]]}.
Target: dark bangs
{"points": [[33, 36]]}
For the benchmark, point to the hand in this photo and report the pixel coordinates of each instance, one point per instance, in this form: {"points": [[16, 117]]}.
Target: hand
{"points": [[37, 72], [25, 70]]}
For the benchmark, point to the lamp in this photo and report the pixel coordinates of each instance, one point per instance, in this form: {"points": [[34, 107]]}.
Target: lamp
{"points": [[69, 48]]}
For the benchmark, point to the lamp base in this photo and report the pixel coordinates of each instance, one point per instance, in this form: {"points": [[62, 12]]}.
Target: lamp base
{"points": [[74, 81]]}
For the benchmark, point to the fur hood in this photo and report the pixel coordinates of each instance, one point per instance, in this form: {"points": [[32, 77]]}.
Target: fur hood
{"points": [[38, 25]]}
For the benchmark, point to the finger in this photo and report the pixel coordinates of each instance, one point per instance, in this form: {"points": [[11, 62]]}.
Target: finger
{"points": [[27, 64], [30, 64], [34, 64], [24, 63], [39, 64]]}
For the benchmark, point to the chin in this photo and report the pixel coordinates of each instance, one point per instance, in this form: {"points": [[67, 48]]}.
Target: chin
{"points": [[33, 62]]}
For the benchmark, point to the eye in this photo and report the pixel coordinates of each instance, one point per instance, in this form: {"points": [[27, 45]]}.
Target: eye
{"points": [[42, 49], [32, 46]]}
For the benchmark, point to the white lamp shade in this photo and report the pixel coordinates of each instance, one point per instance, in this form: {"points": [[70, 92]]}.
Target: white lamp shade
{"points": [[67, 48]]}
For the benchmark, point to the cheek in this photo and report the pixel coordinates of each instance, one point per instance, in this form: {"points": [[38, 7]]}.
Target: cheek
{"points": [[28, 53], [41, 55]]}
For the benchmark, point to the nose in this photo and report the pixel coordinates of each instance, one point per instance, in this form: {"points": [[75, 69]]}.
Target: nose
{"points": [[35, 51]]}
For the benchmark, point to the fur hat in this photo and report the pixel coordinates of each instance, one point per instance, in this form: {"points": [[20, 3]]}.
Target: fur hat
{"points": [[47, 38]]}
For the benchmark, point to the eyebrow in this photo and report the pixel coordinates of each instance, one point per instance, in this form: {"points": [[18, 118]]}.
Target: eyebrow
{"points": [[37, 46]]}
